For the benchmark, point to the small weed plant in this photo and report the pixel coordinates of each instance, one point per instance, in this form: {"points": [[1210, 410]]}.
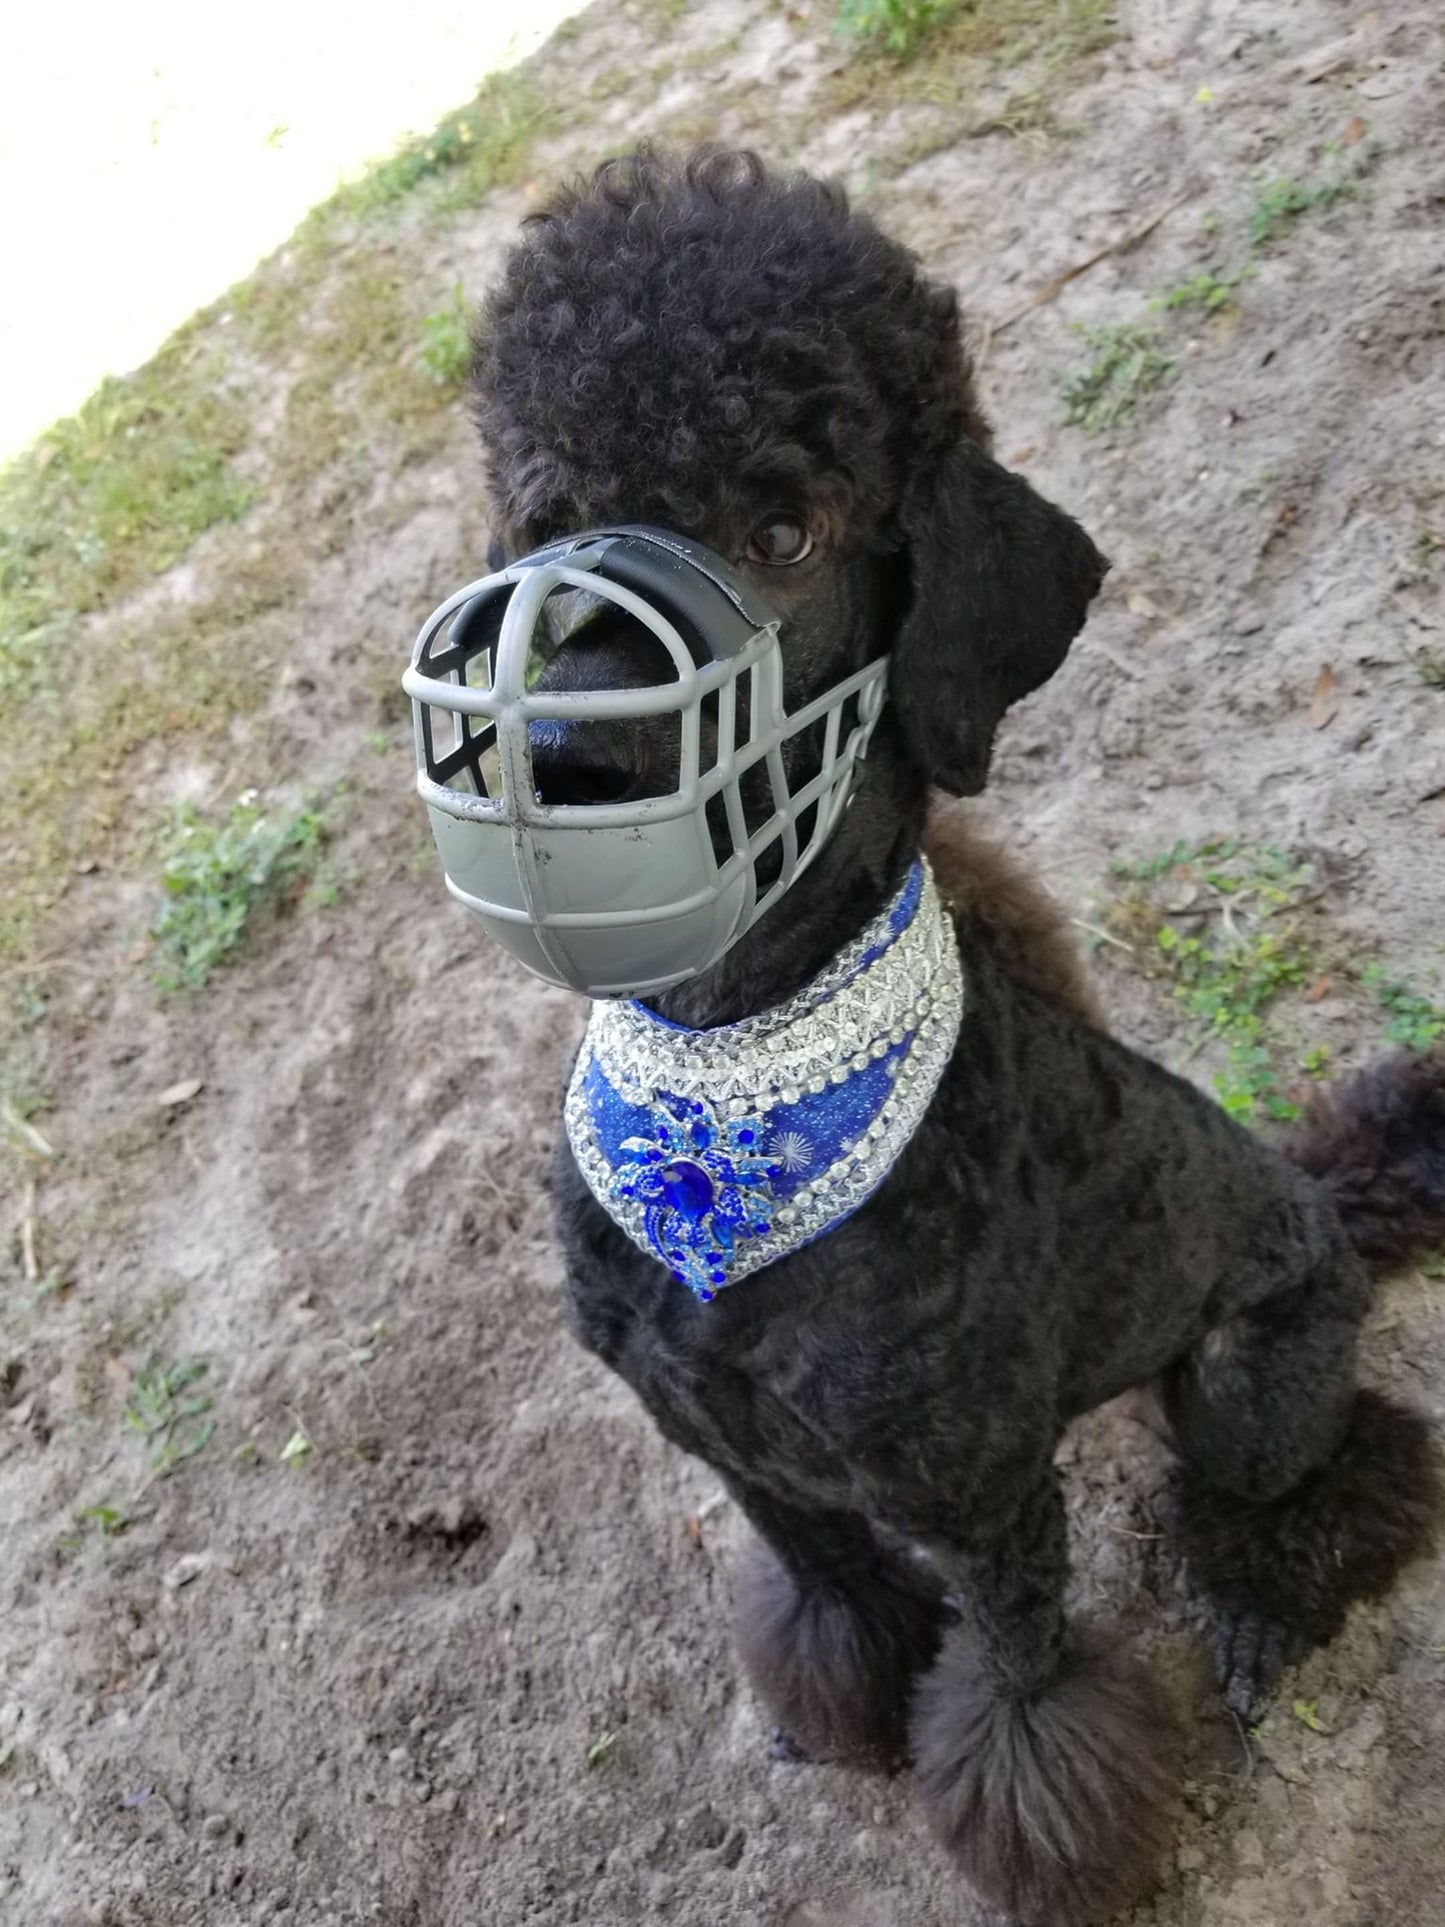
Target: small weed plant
{"points": [[1219, 920], [169, 1414], [218, 877], [1229, 982], [1414, 1021], [1128, 362], [447, 341], [1206, 292], [1280, 203]]}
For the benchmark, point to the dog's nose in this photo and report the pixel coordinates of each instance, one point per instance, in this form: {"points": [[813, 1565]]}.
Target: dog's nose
{"points": [[587, 763], [592, 645]]}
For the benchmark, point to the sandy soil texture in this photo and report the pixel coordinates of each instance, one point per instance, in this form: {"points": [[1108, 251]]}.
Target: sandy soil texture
{"points": [[462, 1658]]}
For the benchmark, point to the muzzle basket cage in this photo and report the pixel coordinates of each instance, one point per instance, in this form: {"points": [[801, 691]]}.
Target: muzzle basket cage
{"points": [[620, 898]]}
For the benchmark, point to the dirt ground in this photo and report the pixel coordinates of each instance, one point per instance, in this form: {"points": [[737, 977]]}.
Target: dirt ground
{"points": [[464, 1659]]}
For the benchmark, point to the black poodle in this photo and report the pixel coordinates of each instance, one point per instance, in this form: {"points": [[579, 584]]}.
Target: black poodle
{"points": [[705, 346]]}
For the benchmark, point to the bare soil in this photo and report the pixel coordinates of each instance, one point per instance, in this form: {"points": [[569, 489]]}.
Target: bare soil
{"points": [[465, 1659]]}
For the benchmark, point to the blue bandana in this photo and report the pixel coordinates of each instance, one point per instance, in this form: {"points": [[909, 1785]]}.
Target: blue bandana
{"points": [[719, 1151]]}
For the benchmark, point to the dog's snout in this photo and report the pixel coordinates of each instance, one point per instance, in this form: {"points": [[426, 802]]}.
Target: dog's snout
{"points": [[593, 646], [587, 763]]}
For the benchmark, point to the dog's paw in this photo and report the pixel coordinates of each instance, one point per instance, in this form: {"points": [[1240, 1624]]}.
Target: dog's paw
{"points": [[1277, 1576], [836, 1668], [1249, 1653], [1055, 1803], [785, 1749]]}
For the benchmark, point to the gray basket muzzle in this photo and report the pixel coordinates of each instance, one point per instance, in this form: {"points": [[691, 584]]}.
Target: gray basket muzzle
{"points": [[619, 899]]}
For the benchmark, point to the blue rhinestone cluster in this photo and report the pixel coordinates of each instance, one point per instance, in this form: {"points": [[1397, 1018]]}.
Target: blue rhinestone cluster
{"points": [[705, 1181]]}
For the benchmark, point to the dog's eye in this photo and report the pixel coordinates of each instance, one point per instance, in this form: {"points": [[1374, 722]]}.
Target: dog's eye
{"points": [[781, 540]]}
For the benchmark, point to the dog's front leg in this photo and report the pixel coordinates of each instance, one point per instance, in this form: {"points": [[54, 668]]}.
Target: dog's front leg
{"points": [[1046, 1761], [833, 1628]]}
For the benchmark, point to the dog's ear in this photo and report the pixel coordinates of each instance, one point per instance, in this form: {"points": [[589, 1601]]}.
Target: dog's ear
{"points": [[1001, 584]]}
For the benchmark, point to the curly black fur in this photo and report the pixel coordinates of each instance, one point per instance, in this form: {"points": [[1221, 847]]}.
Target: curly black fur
{"points": [[1055, 1803], [800, 347], [1377, 1143], [706, 344], [834, 1660]]}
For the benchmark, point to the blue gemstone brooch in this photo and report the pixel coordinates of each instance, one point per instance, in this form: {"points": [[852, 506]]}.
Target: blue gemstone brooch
{"points": [[720, 1151]]}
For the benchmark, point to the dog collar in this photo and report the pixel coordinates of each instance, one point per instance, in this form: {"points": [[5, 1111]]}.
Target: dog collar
{"points": [[720, 1151]]}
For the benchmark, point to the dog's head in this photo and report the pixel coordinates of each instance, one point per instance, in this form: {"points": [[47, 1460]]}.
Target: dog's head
{"points": [[707, 347]]}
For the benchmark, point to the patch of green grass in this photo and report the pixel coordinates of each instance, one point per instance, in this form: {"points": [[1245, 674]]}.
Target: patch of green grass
{"points": [[447, 341], [66, 740], [1128, 363], [940, 53], [1218, 920], [168, 1414], [218, 876], [1280, 203], [113, 495], [897, 26], [1415, 1021], [330, 329], [470, 152]]}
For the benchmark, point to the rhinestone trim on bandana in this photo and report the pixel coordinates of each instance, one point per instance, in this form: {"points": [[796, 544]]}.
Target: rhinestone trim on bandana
{"points": [[719, 1151]]}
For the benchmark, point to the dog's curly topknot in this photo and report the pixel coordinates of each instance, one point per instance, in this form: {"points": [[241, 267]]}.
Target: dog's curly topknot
{"points": [[669, 323]]}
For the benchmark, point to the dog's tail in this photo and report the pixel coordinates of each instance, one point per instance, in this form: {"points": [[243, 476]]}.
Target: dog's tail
{"points": [[1377, 1144]]}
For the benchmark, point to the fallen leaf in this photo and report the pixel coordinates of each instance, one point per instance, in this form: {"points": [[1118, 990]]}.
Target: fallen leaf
{"points": [[1020, 456], [1355, 130], [181, 1093], [1140, 605], [1325, 703], [1317, 991], [1307, 1712]]}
